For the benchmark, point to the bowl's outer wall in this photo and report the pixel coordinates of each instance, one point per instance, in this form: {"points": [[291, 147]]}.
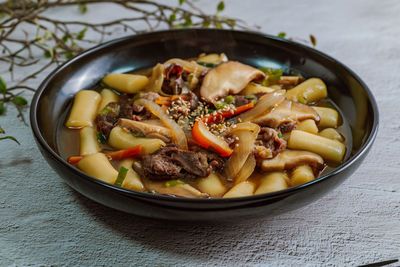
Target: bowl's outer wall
{"points": [[83, 72]]}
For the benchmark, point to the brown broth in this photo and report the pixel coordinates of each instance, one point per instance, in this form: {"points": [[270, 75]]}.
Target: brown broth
{"points": [[68, 145], [68, 140]]}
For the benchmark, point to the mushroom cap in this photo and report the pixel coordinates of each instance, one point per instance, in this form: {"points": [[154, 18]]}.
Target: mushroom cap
{"points": [[287, 111], [289, 159], [228, 77]]}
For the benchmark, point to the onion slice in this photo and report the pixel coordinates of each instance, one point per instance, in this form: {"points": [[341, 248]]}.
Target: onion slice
{"points": [[247, 133], [266, 103], [247, 169], [190, 66], [178, 136], [156, 79]]}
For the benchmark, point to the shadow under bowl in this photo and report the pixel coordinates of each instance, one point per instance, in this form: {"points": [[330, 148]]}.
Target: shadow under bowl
{"points": [[345, 88]]}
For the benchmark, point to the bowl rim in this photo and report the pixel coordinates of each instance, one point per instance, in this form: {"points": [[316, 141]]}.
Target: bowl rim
{"points": [[147, 196]]}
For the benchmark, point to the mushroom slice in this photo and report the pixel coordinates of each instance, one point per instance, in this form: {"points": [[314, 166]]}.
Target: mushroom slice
{"points": [[181, 190], [154, 122], [229, 77], [287, 111], [147, 129], [289, 159]]}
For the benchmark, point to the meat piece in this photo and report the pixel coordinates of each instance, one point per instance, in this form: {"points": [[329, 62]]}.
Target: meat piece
{"points": [[107, 118], [214, 160], [172, 163], [193, 100], [268, 144], [287, 127], [194, 162], [173, 71], [110, 115], [240, 100], [134, 112], [152, 96], [105, 128], [230, 140], [160, 167], [173, 82], [130, 111]]}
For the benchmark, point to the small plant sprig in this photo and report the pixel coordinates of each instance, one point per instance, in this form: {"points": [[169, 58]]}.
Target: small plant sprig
{"points": [[47, 41], [312, 40], [2, 132]]}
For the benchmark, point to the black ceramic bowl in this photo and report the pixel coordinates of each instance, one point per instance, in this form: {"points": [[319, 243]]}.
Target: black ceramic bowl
{"points": [[56, 92]]}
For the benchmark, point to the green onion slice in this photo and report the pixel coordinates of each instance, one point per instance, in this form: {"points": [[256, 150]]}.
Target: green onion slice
{"points": [[229, 99], [121, 176], [205, 64], [101, 138], [173, 183]]}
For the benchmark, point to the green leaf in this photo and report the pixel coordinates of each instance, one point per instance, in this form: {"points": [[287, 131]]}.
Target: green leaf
{"points": [[313, 40], [65, 38], [2, 108], [3, 15], [121, 176], [172, 17], [282, 35], [2, 131], [221, 6], [231, 22], [280, 135], [68, 55], [173, 183], [206, 24], [47, 34], [47, 54], [181, 2], [11, 138], [82, 8], [188, 22], [218, 25], [3, 86], [81, 34], [19, 100]]}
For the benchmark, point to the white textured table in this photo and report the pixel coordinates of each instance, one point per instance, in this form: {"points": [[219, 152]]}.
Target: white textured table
{"points": [[44, 222]]}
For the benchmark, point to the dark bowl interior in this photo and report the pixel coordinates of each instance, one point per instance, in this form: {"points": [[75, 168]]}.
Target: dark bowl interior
{"points": [[55, 95]]}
